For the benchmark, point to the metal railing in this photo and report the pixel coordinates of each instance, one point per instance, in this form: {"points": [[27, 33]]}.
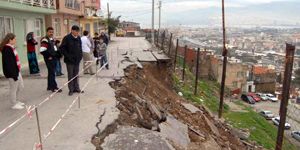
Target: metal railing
{"points": [[50, 4]]}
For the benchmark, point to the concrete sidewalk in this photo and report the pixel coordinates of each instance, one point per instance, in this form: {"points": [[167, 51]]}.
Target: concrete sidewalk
{"points": [[78, 126]]}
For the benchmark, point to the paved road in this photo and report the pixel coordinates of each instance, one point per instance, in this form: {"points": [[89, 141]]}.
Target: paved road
{"points": [[274, 108], [76, 130]]}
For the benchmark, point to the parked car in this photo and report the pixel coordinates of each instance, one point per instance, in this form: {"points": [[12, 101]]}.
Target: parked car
{"points": [[262, 96], [255, 97], [276, 121], [296, 135], [247, 99], [272, 98], [267, 114]]}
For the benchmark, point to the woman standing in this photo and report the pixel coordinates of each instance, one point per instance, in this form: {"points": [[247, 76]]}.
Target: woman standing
{"points": [[12, 69], [31, 55]]}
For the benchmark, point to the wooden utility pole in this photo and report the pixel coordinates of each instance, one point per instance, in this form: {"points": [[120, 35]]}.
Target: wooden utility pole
{"points": [[159, 20], [108, 21], [224, 63], [152, 34], [175, 58], [184, 62], [197, 71], [289, 60], [157, 39], [163, 41], [170, 44]]}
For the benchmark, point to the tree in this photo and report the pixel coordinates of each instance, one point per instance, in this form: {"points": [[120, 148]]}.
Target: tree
{"points": [[112, 23]]}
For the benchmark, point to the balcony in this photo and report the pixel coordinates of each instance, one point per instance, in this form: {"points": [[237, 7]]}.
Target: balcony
{"points": [[50, 4]]}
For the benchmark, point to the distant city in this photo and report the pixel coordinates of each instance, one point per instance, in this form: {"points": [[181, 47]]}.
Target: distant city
{"points": [[258, 45]]}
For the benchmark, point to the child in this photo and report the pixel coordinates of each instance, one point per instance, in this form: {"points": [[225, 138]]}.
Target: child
{"points": [[12, 69], [58, 64], [102, 52]]}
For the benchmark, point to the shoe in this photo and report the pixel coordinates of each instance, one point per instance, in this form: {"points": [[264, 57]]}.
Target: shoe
{"points": [[92, 74], [17, 106], [57, 90], [78, 91], [20, 103], [85, 73], [70, 93], [60, 74]]}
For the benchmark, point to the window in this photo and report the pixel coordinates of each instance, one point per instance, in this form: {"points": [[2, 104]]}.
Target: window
{"points": [[88, 27], [235, 84], [6, 26], [72, 4], [96, 27], [38, 27], [57, 27], [73, 22]]}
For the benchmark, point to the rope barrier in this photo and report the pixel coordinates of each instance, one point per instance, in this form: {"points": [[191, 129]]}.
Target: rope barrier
{"points": [[39, 145], [30, 109]]}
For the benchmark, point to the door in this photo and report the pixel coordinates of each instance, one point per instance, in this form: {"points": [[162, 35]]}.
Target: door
{"points": [[250, 88]]}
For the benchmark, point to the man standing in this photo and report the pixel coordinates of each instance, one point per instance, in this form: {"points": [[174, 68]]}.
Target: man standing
{"points": [[49, 51], [71, 48], [86, 51]]}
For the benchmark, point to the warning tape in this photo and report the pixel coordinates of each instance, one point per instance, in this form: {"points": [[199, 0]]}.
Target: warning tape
{"points": [[39, 145], [29, 109]]}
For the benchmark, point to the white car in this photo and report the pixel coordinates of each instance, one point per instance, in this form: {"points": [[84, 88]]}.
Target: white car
{"points": [[262, 96], [276, 121], [296, 135], [267, 114], [271, 97]]}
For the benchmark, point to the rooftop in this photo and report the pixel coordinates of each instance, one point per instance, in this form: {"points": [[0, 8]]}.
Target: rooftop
{"points": [[262, 70]]}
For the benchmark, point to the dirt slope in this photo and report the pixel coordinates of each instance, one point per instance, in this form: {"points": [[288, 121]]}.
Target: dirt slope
{"points": [[146, 96]]}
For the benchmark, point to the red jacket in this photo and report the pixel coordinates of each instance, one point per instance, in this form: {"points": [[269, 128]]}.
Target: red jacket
{"points": [[31, 45]]}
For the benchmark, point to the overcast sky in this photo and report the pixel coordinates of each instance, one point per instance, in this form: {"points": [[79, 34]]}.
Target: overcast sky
{"points": [[208, 12]]}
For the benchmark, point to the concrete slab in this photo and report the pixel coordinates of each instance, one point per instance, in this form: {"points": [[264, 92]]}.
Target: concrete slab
{"points": [[175, 131], [132, 138], [212, 126], [144, 56], [191, 108], [160, 56]]}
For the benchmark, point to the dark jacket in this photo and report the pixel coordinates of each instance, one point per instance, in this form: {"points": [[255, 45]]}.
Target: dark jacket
{"points": [[49, 44], [96, 42], [105, 38], [10, 67], [71, 49]]}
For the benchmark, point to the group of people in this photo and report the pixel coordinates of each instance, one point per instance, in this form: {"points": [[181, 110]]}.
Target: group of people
{"points": [[32, 58], [73, 49]]}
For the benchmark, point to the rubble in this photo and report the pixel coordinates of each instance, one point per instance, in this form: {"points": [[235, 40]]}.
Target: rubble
{"points": [[148, 102], [191, 108], [133, 138], [175, 131]]}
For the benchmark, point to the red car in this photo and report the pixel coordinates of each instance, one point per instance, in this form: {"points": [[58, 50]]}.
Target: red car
{"points": [[255, 97]]}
